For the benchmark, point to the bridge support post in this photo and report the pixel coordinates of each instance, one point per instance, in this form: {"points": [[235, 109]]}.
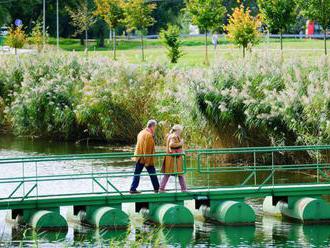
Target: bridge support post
{"points": [[169, 214], [229, 212], [110, 217], [303, 209], [41, 219]]}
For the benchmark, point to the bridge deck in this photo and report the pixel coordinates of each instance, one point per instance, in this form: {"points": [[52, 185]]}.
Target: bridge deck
{"points": [[170, 196]]}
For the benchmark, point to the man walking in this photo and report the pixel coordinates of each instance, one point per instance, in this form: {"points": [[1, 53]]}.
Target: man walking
{"points": [[145, 146]]}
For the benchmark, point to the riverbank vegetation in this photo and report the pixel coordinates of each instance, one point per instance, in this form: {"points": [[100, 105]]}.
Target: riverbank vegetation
{"points": [[259, 100]]}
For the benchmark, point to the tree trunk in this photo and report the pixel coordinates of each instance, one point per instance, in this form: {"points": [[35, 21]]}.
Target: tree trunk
{"points": [[114, 45], [101, 35], [281, 40], [142, 47], [325, 42], [82, 42], [206, 51], [243, 51]]}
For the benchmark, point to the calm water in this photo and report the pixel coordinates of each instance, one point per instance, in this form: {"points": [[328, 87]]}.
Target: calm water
{"points": [[268, 232]]}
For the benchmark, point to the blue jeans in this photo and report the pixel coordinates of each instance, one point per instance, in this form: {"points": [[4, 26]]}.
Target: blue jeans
{"points": [[136, 179]]}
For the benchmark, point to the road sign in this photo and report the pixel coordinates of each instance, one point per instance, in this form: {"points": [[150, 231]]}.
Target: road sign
{"points": [[18, 22]]}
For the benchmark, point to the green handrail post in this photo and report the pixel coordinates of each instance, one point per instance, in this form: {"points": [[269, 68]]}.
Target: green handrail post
{"points": [[273, 169], [36, 166], [255, 167]]}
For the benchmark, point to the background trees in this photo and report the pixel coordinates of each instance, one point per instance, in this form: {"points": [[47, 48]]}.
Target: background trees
{"points": [[317, 10], [111, 11], [278, 14], [207, 15], [82, 18], [243, 28], [138, 17]]}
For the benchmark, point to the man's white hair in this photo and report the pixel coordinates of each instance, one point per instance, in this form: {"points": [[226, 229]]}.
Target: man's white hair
{"points": [[151, 123]]}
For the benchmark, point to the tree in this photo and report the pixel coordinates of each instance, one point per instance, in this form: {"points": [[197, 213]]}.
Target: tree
{"points": [[37, 36], [111, 11], [16, 38], [4, 15], [138, 17], [317, 10], [82, 18], [167, 12], [207, 15], [243, 28], [171, 39], [279, 14]]}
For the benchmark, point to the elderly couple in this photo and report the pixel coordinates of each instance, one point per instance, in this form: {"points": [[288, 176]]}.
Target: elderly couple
{"points": [[171, 164]]}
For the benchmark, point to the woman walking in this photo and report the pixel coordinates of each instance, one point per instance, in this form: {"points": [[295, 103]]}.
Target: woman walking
{"points": [[173, 165]]}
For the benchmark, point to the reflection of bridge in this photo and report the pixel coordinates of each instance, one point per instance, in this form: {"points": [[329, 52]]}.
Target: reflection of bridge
{"points": [[96, 185]]}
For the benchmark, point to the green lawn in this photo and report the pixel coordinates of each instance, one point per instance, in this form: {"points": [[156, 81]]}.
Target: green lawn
{"points": [[125, 44], [194, 49]]}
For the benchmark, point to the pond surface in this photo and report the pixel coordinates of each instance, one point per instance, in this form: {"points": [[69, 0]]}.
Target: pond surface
{"points": [[268, 231]]}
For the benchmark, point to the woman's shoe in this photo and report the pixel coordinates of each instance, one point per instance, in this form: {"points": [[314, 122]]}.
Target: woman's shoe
{"points": [[162, 191]]}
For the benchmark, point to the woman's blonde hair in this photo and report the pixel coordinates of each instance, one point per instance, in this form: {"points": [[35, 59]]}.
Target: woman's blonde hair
{"points": [[176, 127]]}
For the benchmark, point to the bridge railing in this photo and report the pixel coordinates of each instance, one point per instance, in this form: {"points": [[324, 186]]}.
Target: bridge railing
{"points": [[111, 173], [268, 165], [80, 174]]}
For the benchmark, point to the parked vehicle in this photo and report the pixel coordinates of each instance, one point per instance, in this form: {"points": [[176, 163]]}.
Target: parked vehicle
{"points": [[4, 31]]}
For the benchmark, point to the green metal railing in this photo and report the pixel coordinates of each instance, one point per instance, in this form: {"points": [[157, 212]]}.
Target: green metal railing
{"points": [[315, 161], [258, 166], [29, 184]]}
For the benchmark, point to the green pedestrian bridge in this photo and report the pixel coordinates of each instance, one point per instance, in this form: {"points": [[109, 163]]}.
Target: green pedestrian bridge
{"points": [[96, 186]]}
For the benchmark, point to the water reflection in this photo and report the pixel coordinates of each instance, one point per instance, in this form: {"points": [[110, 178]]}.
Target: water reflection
{"points": [[294, 234], [97, 236], [28, 234], [178, 237], [226, 235]]}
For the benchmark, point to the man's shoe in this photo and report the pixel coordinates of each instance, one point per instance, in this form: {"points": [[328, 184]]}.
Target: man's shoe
{"points": [[156, 191], [134, 192]]}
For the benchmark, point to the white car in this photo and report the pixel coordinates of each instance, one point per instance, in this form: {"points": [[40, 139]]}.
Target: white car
{"points": [[3, 31]]}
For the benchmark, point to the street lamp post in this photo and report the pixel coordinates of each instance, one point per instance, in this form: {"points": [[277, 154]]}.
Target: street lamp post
{"points": [[44, 23], [57, 27]]}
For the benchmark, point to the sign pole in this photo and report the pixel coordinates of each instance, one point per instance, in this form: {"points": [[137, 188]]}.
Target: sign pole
{"points": [[44, 24], [57, 27]]}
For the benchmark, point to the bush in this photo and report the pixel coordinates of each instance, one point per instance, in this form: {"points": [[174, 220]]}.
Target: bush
{"points": [[171, 39], [16, 38], [37, 37], [267, 102], [44, 105], [256, 101]]}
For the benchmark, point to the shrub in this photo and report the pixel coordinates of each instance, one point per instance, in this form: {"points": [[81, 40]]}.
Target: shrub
{"points": [[117, 102], [243, 28], [37, 36], [45, 103], [16, 38], [171, 39], [256, 101], [266, 102]]}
